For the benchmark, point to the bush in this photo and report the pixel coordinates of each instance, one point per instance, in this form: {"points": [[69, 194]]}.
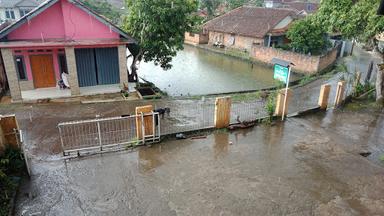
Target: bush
{"points": [[11, 164], [307, 37], [270, 106]]}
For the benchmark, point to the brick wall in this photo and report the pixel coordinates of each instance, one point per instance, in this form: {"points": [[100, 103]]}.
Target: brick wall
{"points": [[304, 64], [195, 38], [234, 41], [327, 60]]}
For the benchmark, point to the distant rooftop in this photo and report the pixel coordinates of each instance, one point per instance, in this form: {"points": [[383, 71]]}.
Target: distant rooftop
{"points": [[249, 21], [18, 3]]}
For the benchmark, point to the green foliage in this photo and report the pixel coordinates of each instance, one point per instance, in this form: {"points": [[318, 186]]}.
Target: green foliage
{"points": [[241, 97], [11, 164], [197, 23], [341, 68], [306, 79], [232, 4], [270, 106], [159, 27], [381, 158], [360, 89], [210, 5], [307, 37], [102, 7], [353, 19]]}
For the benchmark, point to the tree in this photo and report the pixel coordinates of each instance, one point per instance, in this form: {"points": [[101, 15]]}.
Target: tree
{"points": [[353, 19], [210, 5], [105, 9], [232, 4], [307, 37], [159, 27]]}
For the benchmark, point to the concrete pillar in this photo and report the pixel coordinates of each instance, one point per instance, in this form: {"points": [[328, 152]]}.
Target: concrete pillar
{"points": [[280, 102], [72, 70], [222, 112], [380, 83], [13, 78], [123, 65], [339, 93], [324, 96]]}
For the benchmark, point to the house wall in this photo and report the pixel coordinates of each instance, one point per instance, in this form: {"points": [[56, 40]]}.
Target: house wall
{"points": [[63, 20], [26, 54], [304, 64], [80, 25], [240, 42], [195, 38], [49, 24], [16, 12]]}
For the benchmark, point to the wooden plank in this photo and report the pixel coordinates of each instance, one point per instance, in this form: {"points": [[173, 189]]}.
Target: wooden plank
{"points": [[9, 126], [148, 121], [324, 96], [222, 112]]}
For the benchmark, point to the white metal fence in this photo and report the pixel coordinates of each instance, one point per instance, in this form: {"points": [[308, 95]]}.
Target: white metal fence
{"points": [[106, 134]]}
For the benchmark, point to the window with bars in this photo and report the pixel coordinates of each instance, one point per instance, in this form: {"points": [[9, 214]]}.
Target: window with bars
{"points": [[20, 67]]}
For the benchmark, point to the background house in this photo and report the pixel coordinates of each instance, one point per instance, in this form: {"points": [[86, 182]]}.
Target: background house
{"points": [[245, 27], [63, 36], [303, 8], [12, 10]]}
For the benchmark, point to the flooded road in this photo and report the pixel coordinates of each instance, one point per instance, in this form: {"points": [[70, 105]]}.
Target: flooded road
{"points": [[197, 72], [305, 166]]}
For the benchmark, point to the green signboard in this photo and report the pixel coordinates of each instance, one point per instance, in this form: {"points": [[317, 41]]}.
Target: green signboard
{"points": [[280, 73]]}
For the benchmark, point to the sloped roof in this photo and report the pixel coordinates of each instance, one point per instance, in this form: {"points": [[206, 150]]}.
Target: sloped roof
{"points": [[303, 6], [249, 21], [27, 3], [46, 4], [18, 3]]}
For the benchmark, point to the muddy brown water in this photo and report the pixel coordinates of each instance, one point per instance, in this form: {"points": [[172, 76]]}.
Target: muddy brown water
{"points": [[305, 166], [198, 72]]}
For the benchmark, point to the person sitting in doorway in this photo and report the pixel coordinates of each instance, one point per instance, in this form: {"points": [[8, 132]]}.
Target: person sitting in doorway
{"points": [[63, 83]]}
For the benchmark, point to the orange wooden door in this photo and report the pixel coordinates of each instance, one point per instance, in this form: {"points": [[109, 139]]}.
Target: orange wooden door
{"points": [[42, 71]]}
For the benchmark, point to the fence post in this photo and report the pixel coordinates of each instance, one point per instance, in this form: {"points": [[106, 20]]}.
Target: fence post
{"points": [[280, 102], [145, 121], [222, 112], [99, 132], [339, 93], [324, 96]]}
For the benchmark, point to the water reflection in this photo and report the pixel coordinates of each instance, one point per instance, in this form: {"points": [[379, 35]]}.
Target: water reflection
{"points": [[220, 147], [149, 158], [196, 72]]}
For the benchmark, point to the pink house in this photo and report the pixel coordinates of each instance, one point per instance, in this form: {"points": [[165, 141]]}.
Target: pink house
{"points": [[63, 38]]}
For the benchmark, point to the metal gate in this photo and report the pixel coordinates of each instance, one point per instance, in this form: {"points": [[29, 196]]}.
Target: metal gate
{"points": [[109, 134]]}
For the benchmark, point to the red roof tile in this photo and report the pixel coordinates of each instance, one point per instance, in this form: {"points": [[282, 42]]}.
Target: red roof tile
{"points": [[249, 21]]}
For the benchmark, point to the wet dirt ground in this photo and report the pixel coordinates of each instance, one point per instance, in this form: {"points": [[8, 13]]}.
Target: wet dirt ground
{"points": [[304, 166]]}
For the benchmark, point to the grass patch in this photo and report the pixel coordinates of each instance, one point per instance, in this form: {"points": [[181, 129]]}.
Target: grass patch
{"points": [[367, 104], [381, 158], [245, 96]]}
